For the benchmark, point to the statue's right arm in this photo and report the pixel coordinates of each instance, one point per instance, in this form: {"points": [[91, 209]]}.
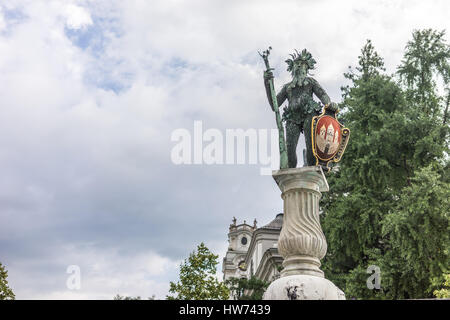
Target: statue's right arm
{"points": [[281, 96]]}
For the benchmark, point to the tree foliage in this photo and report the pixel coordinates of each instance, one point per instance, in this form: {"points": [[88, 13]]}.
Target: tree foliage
{"points": [[444, 292], [247, 289], [418, 230], [388, 203], [6, 292], [198, 279], [426, 60]]}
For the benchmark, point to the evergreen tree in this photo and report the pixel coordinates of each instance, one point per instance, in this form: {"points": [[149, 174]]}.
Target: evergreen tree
{"points": [[375, 212], [418, 232], [426, 60], [6, 292]]}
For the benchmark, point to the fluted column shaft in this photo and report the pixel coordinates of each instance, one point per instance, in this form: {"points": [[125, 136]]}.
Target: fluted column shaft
{"points": [[302, 242]]}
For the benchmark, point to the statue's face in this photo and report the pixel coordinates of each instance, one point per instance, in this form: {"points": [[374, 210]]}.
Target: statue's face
{"points": [[300, 69]]}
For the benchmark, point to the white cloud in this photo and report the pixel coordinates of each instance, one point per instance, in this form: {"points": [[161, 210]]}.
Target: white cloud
{"points": [[77, 17], [2, 21], [103, 274]]}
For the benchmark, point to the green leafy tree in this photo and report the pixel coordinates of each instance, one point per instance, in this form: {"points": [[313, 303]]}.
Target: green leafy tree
{"points": [[444, 292], [369, 63], [376, 212], [426, 59], [198, 279], [418, 232], [240, 287], [6, 292]]}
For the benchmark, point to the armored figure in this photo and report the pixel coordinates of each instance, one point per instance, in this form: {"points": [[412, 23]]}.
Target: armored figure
{"points": [[301, 106]]}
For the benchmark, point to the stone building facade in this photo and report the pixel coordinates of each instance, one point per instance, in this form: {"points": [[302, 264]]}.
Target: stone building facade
{"points": [[253, 251]]}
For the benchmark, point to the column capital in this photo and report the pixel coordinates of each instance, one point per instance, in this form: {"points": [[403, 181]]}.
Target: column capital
{"points": [[310, 178]]}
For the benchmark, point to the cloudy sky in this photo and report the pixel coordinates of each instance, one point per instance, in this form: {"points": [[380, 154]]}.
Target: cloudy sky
{"points": [[90, 94]]}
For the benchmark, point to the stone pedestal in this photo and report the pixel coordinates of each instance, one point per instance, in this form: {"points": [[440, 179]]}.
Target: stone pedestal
{"points": [[302, 242]]}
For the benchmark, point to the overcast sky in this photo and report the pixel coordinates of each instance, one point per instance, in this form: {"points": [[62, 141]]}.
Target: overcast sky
{"points": [[90, 93]]}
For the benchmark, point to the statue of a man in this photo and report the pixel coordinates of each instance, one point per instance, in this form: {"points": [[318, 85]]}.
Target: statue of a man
{"points": [[301, 106]]}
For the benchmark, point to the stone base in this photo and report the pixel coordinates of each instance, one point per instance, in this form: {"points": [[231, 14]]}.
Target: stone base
{"points": [[299, 264], [303, 287]]}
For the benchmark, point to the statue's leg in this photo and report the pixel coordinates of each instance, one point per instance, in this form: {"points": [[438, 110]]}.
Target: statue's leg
{"points": [[310, 159], [292, 135]]}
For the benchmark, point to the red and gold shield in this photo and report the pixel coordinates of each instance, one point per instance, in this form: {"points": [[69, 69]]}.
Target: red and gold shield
{"points": [[329, 138]]}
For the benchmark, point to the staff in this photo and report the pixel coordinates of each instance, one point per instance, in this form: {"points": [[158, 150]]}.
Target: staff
{"points": [[282, 140]]}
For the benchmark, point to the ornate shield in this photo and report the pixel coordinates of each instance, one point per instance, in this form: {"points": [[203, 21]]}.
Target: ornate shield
{"points": [[329, 138]]}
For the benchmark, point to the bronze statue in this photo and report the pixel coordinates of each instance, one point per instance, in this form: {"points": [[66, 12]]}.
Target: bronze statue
{"points": [[301, 107]]}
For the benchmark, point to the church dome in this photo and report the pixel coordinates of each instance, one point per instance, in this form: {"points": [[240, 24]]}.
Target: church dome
{"points": [[275, 224]]}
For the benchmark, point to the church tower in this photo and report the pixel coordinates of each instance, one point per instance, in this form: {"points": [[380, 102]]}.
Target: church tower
{"points": [[239, 238]]}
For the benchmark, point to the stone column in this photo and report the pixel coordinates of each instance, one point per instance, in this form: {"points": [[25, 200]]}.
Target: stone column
{"points": [[302, 243]]}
